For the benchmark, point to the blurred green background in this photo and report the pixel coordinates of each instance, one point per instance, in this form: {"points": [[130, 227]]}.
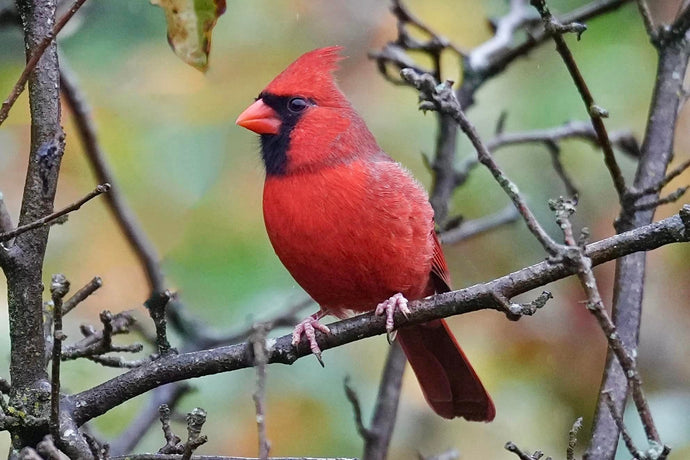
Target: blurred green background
{"points": [[195, 180]]}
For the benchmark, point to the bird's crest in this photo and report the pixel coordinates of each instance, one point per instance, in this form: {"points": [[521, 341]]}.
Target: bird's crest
{"points": [[312, 76]]}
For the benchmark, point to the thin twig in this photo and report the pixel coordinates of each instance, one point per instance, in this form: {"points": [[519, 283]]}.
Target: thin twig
{"points": [[173, 444], [405, 16], [624, 139], [618, 418], [5, 219], [386, 408], [195, 421], [100, 342], [59, 286], [258, 341], [440, 97], [572, 439], [171, 440], [214, 457], [471, 228], [670, 198], [596, 113], [81, 295], [647, 19], [125, 217], [656, 188], [33, 60], [117, 362], [103, 188], [564, 209], [512, 447], [156, 306], [352, 397], [555, 152]]}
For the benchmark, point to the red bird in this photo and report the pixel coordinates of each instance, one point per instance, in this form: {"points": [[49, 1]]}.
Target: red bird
{"points": [[353, 227]]}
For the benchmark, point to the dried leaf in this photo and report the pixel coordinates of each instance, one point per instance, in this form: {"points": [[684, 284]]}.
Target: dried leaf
{"points": [[190, 23]]}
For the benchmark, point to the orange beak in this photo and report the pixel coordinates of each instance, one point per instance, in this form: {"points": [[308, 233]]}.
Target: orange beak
{"points": [[259, 118]]}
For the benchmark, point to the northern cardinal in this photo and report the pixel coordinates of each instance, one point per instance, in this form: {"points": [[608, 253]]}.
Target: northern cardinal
{"points": [[353, 227]]}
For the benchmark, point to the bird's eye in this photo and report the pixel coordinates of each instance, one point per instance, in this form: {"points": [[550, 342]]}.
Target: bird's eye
{"points": [[297, 104]]}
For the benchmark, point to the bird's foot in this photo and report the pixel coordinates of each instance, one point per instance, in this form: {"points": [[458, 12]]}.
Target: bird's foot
{"points": [[308, 327], [389, 306]]}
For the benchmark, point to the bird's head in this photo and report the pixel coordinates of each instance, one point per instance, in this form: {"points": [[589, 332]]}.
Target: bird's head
{"points": [[304, 120]]}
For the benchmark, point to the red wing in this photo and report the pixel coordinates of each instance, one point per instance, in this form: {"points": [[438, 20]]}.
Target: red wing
{"points": [[439, 269]]}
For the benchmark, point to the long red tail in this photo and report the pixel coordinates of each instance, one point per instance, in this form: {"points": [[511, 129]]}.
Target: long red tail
{"points": [[450, 385]]}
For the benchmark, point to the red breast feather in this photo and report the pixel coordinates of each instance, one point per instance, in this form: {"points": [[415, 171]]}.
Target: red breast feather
{"points": [[352, 234]]}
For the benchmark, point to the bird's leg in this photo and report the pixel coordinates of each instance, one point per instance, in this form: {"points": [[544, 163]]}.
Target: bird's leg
{"points": [[308, 328], [388, 306]]}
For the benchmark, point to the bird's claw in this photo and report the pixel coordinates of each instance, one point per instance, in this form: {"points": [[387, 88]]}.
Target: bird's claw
{"points": [[308, 327], [389, 306]]}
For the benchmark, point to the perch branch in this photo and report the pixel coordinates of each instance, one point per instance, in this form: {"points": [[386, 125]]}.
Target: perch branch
{"points": [[94, 402]]}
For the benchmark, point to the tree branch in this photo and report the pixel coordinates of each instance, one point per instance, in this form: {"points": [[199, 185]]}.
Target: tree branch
{"points": [[481, 225], [36, 54], [441, 98], [23, 262], [657, 149], [103, 188], [556, 29], [96, 401], [383, 420]]}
